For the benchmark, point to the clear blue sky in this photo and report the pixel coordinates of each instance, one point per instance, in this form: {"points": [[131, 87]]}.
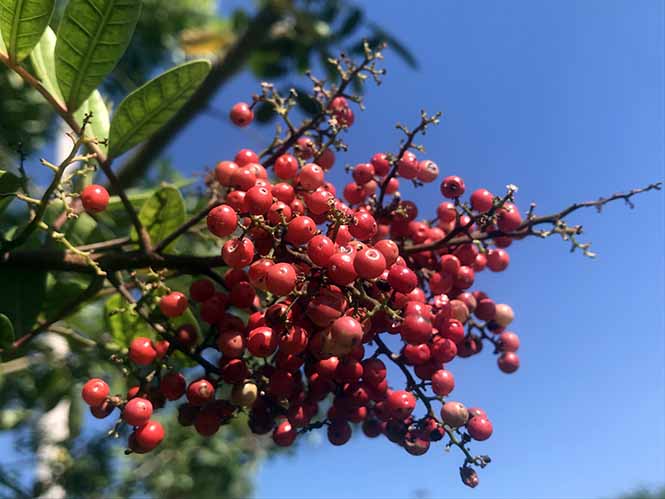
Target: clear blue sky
{"points": [[564, 99]]}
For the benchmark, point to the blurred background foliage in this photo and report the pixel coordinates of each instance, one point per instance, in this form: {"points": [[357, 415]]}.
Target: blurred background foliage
{"points": [[40, 384]]}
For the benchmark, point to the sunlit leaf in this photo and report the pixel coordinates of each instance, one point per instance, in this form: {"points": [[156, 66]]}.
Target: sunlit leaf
{"points": [[122, 323], [99, 123], [43, 60], [92, 37], [162, 214], [150, 106], [22, 23]]}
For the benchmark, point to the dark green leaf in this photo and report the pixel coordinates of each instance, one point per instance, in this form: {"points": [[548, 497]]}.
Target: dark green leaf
{"points": [[267, 64], [22, 23], [61, 290], [8, 184], [43, 61], [21, 297], [124, 325], [6, 332], [150, 106], [162, 214], [351, 22], [75, 419], [99, 123], [79, 230], [264, 112], [92, 37], [307, 103]]}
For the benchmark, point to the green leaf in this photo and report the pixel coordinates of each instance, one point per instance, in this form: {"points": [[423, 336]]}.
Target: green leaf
{"points": [[6, 332], [351, 22], [92, 37], [22, 23], [76, 413], [61, 290], [162, 214], [43, 61], [22, 296], [99, 123], [3, 48], [8, 184], [150, 106], [396, 45], [123, 324]]}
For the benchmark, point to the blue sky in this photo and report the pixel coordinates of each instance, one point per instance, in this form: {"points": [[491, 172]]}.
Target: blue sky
{"points": [[564, 99]]}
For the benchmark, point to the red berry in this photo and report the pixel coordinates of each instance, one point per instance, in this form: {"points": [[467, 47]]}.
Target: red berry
{"points": [[284, 434], [262, 341], [408, 166], [482, 200], [141, 351], [243, 178], [201, 289], [174, 304], [281, 279], [149, 436], [428, 171], [498, 260], [326, 159], [241, 114], [341, 270], [259, 200], [402, 279], [452, 187], [369, 263], [443, 382], [311, 176], [173, 385], [95, 391], [363, 173], [454, 414], [95, 198], [381, 164], [401, 403], [238, 253], [509, 362], [508, 218], [224, 170], [365, 227], [346, 332], [137, 411], [509, 342], [305, 147], [479, 428], [200, 392], [245, 157], [300, 230], [286, 166], [320, 249], [339, 432]]}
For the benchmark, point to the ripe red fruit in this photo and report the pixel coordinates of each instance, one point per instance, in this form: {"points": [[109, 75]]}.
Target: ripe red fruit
{"points": [[365, 227], [443, 382], [174, 304], [485, 310], [498, 260], [339, 432], [341, 270], [207, 421], [416, 329], [95, 391], [389, 249], [281, 279], [201, 289], [300, 230], [286, 166], [238, 253], [224, 170], [401, 403], [258, 199], [200, 392], [311, 176], [149, 436], [320, 249], [231, 344], [381, 164], [369, 263], [173, 385], [243, 178], [482, 200], [509, 362], [508, 218], [346, 332], [428, 171], [241, 114], [284, 434], [509, 342], [95, 198], [245, 157], [374, 371], [363, 173], [408, 165], [402, 279], [479, 428], [262, 341], [326, 159], [452, 187], [141, 351], [137, 411]]}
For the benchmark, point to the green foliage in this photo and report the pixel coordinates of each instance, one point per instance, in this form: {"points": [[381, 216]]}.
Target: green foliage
{"points": [[6, 331], [8, 184], [43, 61], [21, 297], [124, 324], [150, 106], [99, 122], [22, 23], [92, 36], [61, 290], [162, 213]]}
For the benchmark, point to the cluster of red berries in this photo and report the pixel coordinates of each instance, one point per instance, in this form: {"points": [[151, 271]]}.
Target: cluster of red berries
{"points": [[325, 280]]}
